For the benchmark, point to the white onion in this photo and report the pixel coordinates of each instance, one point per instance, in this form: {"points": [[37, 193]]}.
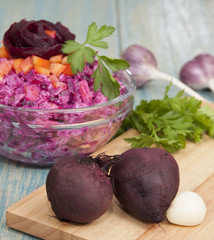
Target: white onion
{"points": [[187, 209]]}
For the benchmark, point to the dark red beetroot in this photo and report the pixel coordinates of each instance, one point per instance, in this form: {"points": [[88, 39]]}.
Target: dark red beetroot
{"points": [[27, 38], [145, 181], [78, 189]]}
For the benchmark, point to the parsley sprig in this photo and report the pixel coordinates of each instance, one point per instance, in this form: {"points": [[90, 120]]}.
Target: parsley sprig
{"points": [[169, 122], [81, 53]]}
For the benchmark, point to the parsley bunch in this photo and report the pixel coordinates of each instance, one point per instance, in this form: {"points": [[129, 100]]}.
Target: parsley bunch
{"points": [[81, 53], [169, 122]]}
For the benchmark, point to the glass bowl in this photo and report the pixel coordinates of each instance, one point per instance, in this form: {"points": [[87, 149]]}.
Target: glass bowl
{"points": [[41, 137]]}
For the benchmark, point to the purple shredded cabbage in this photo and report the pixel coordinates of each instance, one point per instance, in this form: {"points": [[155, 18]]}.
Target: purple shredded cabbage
{"points": [[14, 86]]}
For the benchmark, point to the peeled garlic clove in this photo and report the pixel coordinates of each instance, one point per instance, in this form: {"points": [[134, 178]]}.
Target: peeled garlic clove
{"points": [[187, 209]]}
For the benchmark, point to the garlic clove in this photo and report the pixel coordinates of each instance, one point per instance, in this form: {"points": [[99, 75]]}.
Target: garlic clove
{"points": [[187, 209]]}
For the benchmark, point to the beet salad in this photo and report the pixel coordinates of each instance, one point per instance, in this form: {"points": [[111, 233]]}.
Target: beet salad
{"points": [[55, 93], [34, 73]]}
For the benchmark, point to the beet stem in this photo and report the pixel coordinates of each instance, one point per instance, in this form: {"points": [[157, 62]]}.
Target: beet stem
{"points": [[106, 161]]}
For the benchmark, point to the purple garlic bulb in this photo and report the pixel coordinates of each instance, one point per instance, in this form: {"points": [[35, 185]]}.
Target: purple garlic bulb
{"points": [[198, 73], [142, 63]]}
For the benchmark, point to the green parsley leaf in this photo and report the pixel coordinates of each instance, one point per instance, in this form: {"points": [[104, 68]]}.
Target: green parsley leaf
{"points": [[81, 53], [94, 36], [77, 61], [110, 88], [169, 122], [115, 64], [79, 56], [70, 46]]}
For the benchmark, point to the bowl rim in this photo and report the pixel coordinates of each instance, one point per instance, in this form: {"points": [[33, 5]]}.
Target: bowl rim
{"points": [[118, 99]]}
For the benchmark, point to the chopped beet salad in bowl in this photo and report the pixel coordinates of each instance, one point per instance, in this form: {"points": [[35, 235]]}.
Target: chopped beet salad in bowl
{"points": [[59, 97]]}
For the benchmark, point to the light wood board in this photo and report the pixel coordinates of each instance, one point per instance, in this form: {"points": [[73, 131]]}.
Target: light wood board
{"points": [[33, 214]]}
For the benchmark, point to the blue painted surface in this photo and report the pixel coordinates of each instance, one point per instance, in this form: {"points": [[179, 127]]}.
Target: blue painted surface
{"points": [[175, 31]]}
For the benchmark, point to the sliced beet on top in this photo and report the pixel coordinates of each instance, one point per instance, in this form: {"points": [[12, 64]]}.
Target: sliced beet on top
{"points": [[41, 38]]}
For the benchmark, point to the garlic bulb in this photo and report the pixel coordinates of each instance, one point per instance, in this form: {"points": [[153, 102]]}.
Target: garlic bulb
{"points": [[198, 73], [187, 209], [142, 63], [143, 66]]}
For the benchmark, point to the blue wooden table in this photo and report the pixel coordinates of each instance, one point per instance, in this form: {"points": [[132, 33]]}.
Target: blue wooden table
{"points": [[175, 31]]}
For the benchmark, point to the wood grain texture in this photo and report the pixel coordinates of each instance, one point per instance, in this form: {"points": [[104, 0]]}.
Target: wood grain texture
{"points": [[33, 214], [18, 180], [175, 31]]}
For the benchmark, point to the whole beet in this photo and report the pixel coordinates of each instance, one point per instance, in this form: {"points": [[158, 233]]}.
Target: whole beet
{"points": [[145, 181], [78, 189]]}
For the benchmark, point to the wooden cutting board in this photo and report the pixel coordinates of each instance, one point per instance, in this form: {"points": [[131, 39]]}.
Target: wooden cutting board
{"points": [[33, 214]]}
